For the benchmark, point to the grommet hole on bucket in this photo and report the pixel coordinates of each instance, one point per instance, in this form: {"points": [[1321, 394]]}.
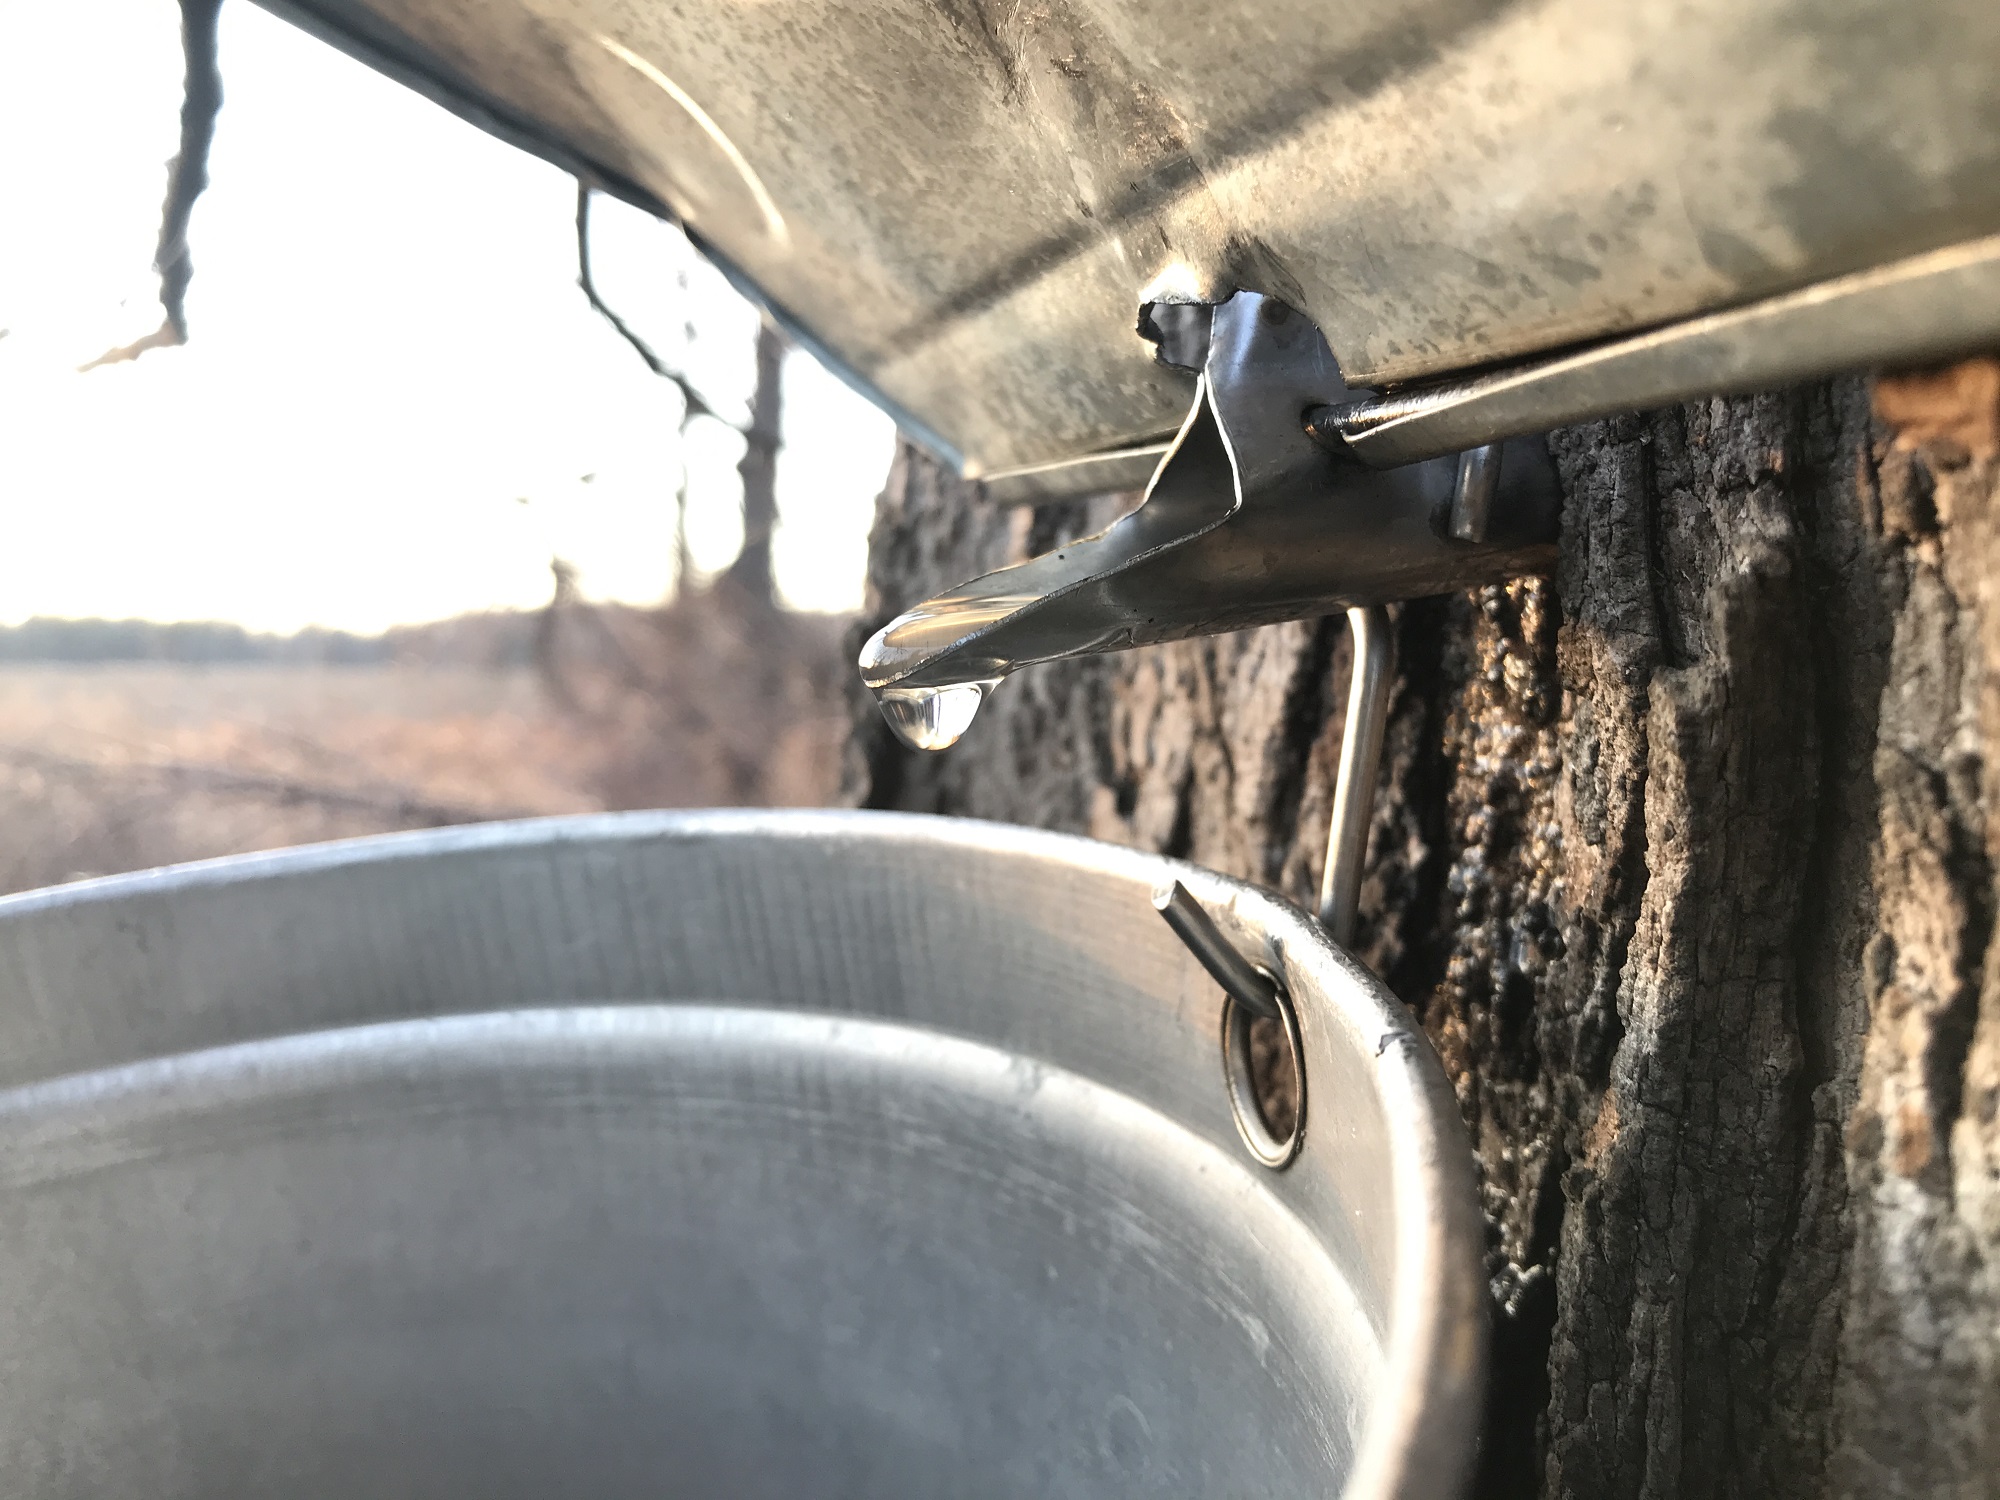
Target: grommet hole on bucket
{"points": [[1261, 1069], [1261, 1057], [1274, 1076]]}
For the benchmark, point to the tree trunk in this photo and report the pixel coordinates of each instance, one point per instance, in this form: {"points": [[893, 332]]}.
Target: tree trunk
{"points": [[1683, 858], [758, 468]]}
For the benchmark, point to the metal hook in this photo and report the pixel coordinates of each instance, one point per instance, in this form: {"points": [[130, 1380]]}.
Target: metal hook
{"points": [[1242, 980], [1252, 995], [1474, 491], [1347, 832], [1360, 760]]}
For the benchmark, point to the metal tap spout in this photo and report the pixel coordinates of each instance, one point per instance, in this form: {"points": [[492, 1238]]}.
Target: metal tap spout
{"points": [[1248, 520]]}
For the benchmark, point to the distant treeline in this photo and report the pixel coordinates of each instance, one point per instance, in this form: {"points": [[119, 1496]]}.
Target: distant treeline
{"points": [[490, 640]]}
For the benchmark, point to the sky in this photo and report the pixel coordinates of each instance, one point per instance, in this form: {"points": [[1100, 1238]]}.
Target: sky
{"points": [[395, 404]]}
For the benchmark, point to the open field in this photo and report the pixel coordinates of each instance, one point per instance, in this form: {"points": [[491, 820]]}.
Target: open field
{"points": [[200, 740], [119, 766]]}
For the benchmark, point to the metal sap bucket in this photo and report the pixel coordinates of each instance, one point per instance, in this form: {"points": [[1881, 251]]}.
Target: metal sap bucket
{"points": [[790, 1155]]}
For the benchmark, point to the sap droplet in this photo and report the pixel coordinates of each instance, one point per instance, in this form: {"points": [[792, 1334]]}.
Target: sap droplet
{"points": [[933, 718]]}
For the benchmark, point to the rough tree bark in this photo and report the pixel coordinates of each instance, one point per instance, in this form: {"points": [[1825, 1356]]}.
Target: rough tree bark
{"points": [[1685, 857]]}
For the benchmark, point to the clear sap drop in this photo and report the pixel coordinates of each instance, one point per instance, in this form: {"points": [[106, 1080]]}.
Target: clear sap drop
{"points": [[933, 718]]}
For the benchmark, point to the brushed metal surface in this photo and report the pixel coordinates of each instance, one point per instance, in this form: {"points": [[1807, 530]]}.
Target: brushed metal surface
{"points": [[762, 1154], [1910, 312], [964, 202], [1249, 520]]}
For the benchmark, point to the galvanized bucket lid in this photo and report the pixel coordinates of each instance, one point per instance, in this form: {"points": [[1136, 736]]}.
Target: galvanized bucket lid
{"points": [[787, 1153]]}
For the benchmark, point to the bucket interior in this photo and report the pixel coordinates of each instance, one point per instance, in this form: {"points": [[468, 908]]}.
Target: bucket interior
{"points": [[467, 1239]]}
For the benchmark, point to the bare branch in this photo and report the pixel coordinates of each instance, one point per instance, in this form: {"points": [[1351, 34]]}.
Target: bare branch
{"points": [[187, 175], [697, 404], [166, 336]]}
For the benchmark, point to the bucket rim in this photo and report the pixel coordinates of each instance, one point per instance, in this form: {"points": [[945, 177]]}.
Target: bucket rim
{"points": [[1420, 1437]]}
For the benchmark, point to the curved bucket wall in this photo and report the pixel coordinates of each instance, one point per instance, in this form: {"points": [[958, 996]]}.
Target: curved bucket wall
{"points": [[792, 1155]]}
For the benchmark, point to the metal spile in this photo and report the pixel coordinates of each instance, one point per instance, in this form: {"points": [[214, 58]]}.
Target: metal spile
{"points": [[1248, 520]]}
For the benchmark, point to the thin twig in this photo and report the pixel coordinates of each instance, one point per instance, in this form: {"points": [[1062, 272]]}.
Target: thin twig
{"points": [[187, 175], [697, 404]]}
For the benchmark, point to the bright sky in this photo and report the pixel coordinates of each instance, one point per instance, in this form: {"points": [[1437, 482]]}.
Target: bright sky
{"points": [[389, 355]]}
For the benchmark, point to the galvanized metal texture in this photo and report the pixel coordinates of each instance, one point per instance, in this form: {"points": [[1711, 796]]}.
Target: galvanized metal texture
{"points": [[1929, 307], [717, 1153], [1096, 474], [1248, 521], [965, 203]]}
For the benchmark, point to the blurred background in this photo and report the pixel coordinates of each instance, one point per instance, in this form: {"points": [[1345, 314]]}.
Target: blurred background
{"points": [[407, 532]]}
